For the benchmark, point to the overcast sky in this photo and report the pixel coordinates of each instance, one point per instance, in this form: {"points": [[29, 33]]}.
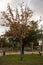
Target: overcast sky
{"points": [[35, 5]]}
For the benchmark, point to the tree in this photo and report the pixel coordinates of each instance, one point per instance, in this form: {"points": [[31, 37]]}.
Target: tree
{"points": [[34, 33], [3, 44], [19, 26]]}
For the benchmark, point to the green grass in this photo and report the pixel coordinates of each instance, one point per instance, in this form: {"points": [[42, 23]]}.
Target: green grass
{"points": [[27, 60]]}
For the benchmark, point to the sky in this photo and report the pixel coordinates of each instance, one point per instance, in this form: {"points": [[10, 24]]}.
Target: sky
{"points": [[35, 5]]}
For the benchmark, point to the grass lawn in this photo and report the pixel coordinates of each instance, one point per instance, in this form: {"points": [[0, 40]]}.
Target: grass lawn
{"points": [[27, 60]]}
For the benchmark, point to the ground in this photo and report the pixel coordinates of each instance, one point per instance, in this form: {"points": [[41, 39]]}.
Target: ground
{"points": [[27, 60]]}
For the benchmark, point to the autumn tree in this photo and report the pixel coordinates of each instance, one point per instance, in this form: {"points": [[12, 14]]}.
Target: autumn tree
{"points": [[18, 23]]}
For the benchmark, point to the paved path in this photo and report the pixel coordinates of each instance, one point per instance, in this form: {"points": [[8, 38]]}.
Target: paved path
{"points": [[10, 53]]}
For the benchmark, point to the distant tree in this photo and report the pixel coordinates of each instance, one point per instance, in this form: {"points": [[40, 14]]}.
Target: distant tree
{"points": [[2, 44], [32, 36]]}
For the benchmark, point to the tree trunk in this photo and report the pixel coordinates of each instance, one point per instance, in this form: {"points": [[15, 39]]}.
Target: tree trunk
{"points": [[42, 46], [22, 49], [40, 50], [3, 52], [32, 47]]}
